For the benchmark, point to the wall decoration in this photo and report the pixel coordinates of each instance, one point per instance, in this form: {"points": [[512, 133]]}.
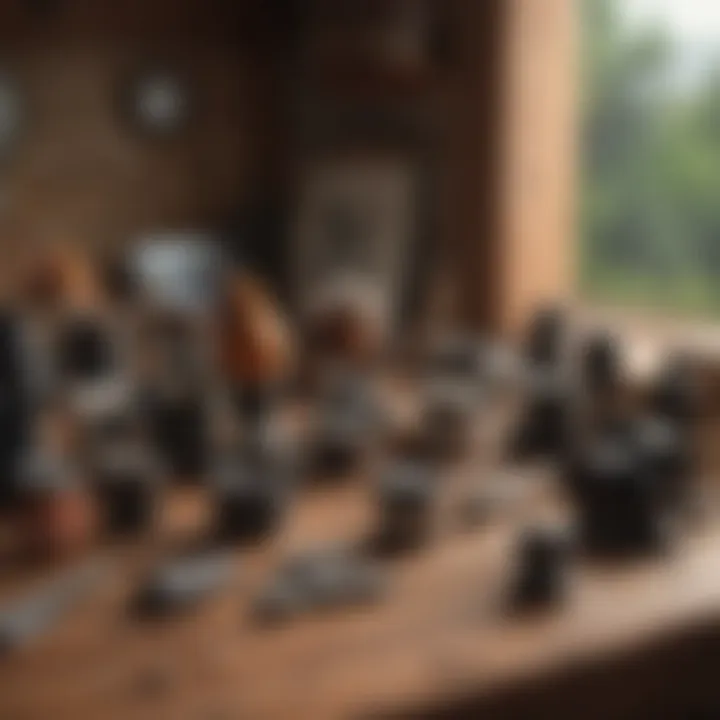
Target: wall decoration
{"points": [[356, 219], [158, 101]]}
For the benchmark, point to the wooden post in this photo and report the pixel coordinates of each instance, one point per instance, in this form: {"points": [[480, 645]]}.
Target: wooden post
{"points": [[510, 158], [538, 140]]}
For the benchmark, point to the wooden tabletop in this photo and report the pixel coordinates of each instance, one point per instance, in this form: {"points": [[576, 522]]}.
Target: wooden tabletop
{"points": [[441, 631]]}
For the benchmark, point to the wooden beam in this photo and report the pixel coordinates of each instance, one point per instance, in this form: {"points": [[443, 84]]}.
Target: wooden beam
{"points": [[537, 157], [510, 158]]}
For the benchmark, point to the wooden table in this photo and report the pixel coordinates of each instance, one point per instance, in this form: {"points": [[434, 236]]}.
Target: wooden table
{"points": [[441, 633]]}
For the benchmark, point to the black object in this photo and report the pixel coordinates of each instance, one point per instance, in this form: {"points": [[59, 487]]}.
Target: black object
{"points": [[320, 581], [178, 427], [348, 423], [545, 425], [127, 482], [174, 394], [545, 337], [446, 424], [340, 442], [620, 498], [84, 350], [666, 450], [180, 584], [406, 496], [675, 396], [601, 364], [118, 426], [251, 491], [542, 570], [36, 614], [15, 406]]}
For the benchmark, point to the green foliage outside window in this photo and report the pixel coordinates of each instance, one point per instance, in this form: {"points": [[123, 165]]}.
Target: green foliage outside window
{"points": [[650, 201]]}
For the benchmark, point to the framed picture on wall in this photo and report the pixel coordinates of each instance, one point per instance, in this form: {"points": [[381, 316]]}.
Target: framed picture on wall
{"points": [[157, 101], [355, 223]]}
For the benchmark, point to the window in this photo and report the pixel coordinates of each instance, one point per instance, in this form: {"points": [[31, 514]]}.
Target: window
{"points": [[650, 208]]}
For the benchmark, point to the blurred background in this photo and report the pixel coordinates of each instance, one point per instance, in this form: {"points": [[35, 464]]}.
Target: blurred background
{"points": [[342, 296], [235, 117], [649, 149]]}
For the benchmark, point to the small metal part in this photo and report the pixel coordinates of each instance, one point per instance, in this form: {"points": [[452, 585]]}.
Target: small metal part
{"points": [[127, 479], [319, 581], [676, 394], [42, 609], [546, 337], [179, 429], [250, 494], [447, 419], [544, 425], [348, 424], [621, 501], [406, 496], [666, 450], [85, 349], [180, 584], [341, 442], [280, 601], [541, 577], [601, 364]]}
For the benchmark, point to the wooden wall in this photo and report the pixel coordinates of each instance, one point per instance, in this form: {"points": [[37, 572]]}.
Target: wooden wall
{"points": [[504, 160], [80, 174]]}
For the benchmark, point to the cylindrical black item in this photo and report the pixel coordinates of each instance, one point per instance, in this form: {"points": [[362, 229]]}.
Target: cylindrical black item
{"points": [[127, 488], [542, 571], [545, 426], [247, 514], [675, 396], [601, 367], [84, 351], [127, 507], [253, 404], [405, 507], [347, 424], [619, 501], [666, 449], [178, 427], [250, 492], [546, 337], [15, 407]]}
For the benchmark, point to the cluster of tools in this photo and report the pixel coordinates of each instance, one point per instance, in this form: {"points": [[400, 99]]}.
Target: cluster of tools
{"points": [[104, 405], [624, 458]]}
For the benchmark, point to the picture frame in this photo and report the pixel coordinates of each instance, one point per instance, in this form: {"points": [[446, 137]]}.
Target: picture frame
{"points": [[356, 218]]}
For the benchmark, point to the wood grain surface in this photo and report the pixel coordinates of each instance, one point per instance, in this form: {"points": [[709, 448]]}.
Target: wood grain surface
{"points": [[441, 631]]}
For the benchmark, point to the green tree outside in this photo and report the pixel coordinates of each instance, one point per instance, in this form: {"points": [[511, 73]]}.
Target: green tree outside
{"points": [[650, 208]]}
